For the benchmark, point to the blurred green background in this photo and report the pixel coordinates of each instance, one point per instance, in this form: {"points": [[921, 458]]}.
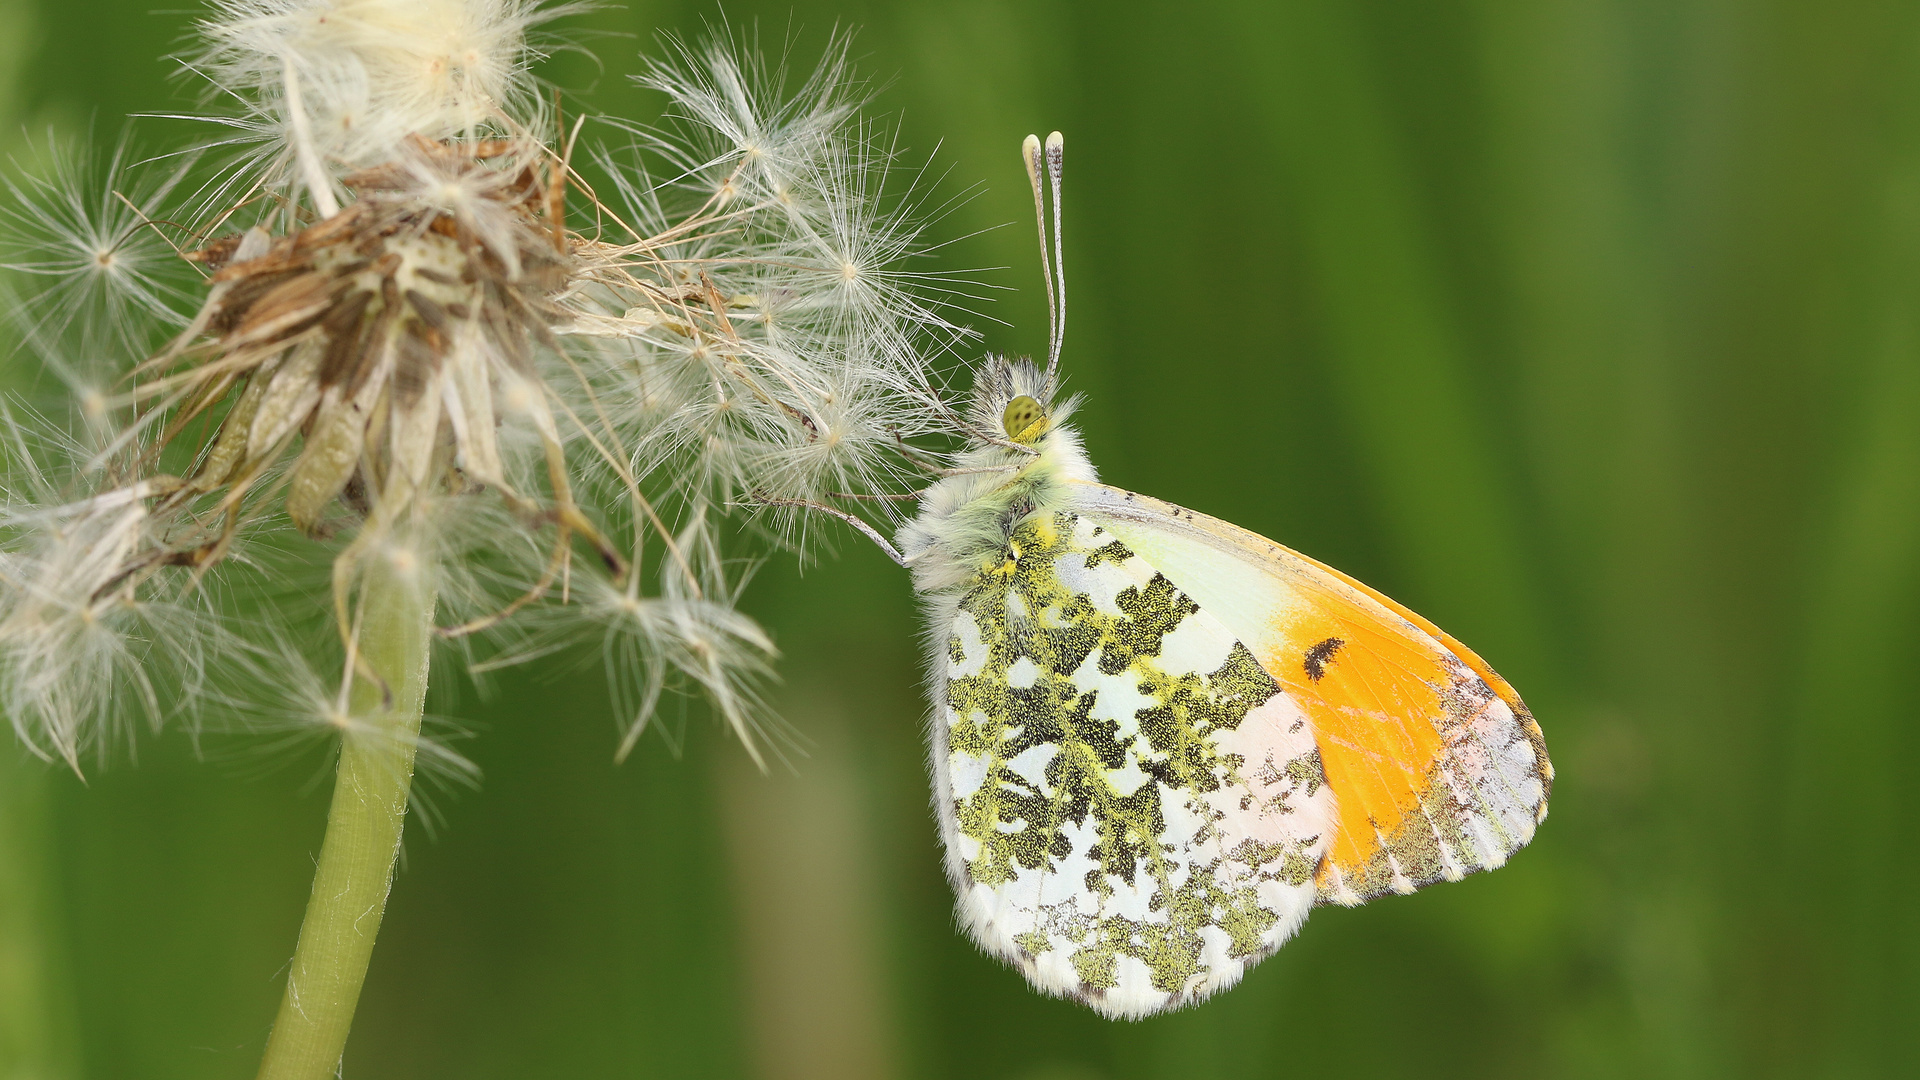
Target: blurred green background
{"points": [[1588, 328]]}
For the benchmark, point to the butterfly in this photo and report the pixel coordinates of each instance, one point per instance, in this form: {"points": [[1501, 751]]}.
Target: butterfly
{"points": [[1159, 740]]}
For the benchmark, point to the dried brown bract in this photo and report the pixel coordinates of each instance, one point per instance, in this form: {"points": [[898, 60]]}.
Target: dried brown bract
{"points": [[378, 341]]}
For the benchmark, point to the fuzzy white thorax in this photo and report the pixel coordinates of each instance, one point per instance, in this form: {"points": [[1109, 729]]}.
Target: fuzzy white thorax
{"points": [[995, 484]]}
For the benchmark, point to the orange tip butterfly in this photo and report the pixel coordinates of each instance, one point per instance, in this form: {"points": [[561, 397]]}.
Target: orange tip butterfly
{"points": [[1159, 740]]}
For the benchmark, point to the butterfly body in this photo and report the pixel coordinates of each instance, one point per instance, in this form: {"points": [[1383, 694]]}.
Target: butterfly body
{"points": [[1159, 740]]}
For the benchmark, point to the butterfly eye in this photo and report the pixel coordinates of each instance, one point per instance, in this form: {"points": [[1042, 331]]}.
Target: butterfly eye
{"points": [[1024, 419]]}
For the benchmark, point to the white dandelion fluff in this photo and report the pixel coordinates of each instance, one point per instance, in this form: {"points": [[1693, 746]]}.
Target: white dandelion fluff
{"points": [[817, 361], [326, 83], [85, 657], [92, 274], [423, 363]]}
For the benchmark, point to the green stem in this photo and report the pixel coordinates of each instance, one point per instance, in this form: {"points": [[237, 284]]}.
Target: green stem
{"points": [[364, 826]]}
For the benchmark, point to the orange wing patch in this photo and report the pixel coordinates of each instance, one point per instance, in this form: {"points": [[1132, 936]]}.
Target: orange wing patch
{"points": [[1395, 706], [1436, 767], [1370, 694]]}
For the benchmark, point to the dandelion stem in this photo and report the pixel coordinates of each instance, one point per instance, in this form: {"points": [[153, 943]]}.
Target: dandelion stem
{"points": [[364, 826]]}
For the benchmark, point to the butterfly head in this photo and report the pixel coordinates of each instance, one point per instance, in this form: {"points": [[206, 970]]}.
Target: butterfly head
{"points": [[1013, 406], [1024, 420]]}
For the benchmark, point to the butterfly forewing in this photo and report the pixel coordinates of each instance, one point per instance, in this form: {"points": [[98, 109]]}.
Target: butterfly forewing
{"points": [[1133, 807], [1435, 765]]}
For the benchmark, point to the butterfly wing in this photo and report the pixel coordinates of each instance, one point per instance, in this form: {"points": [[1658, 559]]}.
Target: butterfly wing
{"points": [[1436, 767], [1133, 810]]}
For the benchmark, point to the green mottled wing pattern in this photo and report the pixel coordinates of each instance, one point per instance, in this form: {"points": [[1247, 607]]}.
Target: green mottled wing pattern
{"points": [[1133, 808]]}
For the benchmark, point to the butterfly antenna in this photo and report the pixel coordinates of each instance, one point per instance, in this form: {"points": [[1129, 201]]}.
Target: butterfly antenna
{"points": [[1056, 159], [1032, 155]]}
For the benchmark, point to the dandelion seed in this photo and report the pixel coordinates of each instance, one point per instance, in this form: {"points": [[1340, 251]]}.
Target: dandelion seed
{"points": [[95, 273]]}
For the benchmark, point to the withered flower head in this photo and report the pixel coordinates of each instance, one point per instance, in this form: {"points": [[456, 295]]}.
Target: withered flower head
{"points": [[383, 341], [420, 362]]}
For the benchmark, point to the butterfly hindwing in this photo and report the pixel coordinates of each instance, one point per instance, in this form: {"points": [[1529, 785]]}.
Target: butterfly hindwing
{"points": [[1134, 809], [1435, 765]]}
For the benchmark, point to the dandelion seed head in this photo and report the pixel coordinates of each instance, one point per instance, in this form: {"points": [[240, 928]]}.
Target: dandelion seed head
{"points": [[424, 374], [359, 76]]}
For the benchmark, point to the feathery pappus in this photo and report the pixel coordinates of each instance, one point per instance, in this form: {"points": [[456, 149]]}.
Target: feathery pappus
{"points": [[422, 339]]}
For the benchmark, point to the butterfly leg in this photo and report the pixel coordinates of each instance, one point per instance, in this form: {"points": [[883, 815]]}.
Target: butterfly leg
{"points": [[870, 532]]}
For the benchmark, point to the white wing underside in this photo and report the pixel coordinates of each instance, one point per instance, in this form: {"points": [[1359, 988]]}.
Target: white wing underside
{"points": [[1047, 793]]}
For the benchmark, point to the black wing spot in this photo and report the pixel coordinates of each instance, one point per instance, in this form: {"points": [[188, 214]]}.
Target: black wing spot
{"points": [[1320, 656]]}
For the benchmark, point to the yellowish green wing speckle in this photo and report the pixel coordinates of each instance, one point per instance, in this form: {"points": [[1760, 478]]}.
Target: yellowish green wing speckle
{"points": [[1135, 810]]}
